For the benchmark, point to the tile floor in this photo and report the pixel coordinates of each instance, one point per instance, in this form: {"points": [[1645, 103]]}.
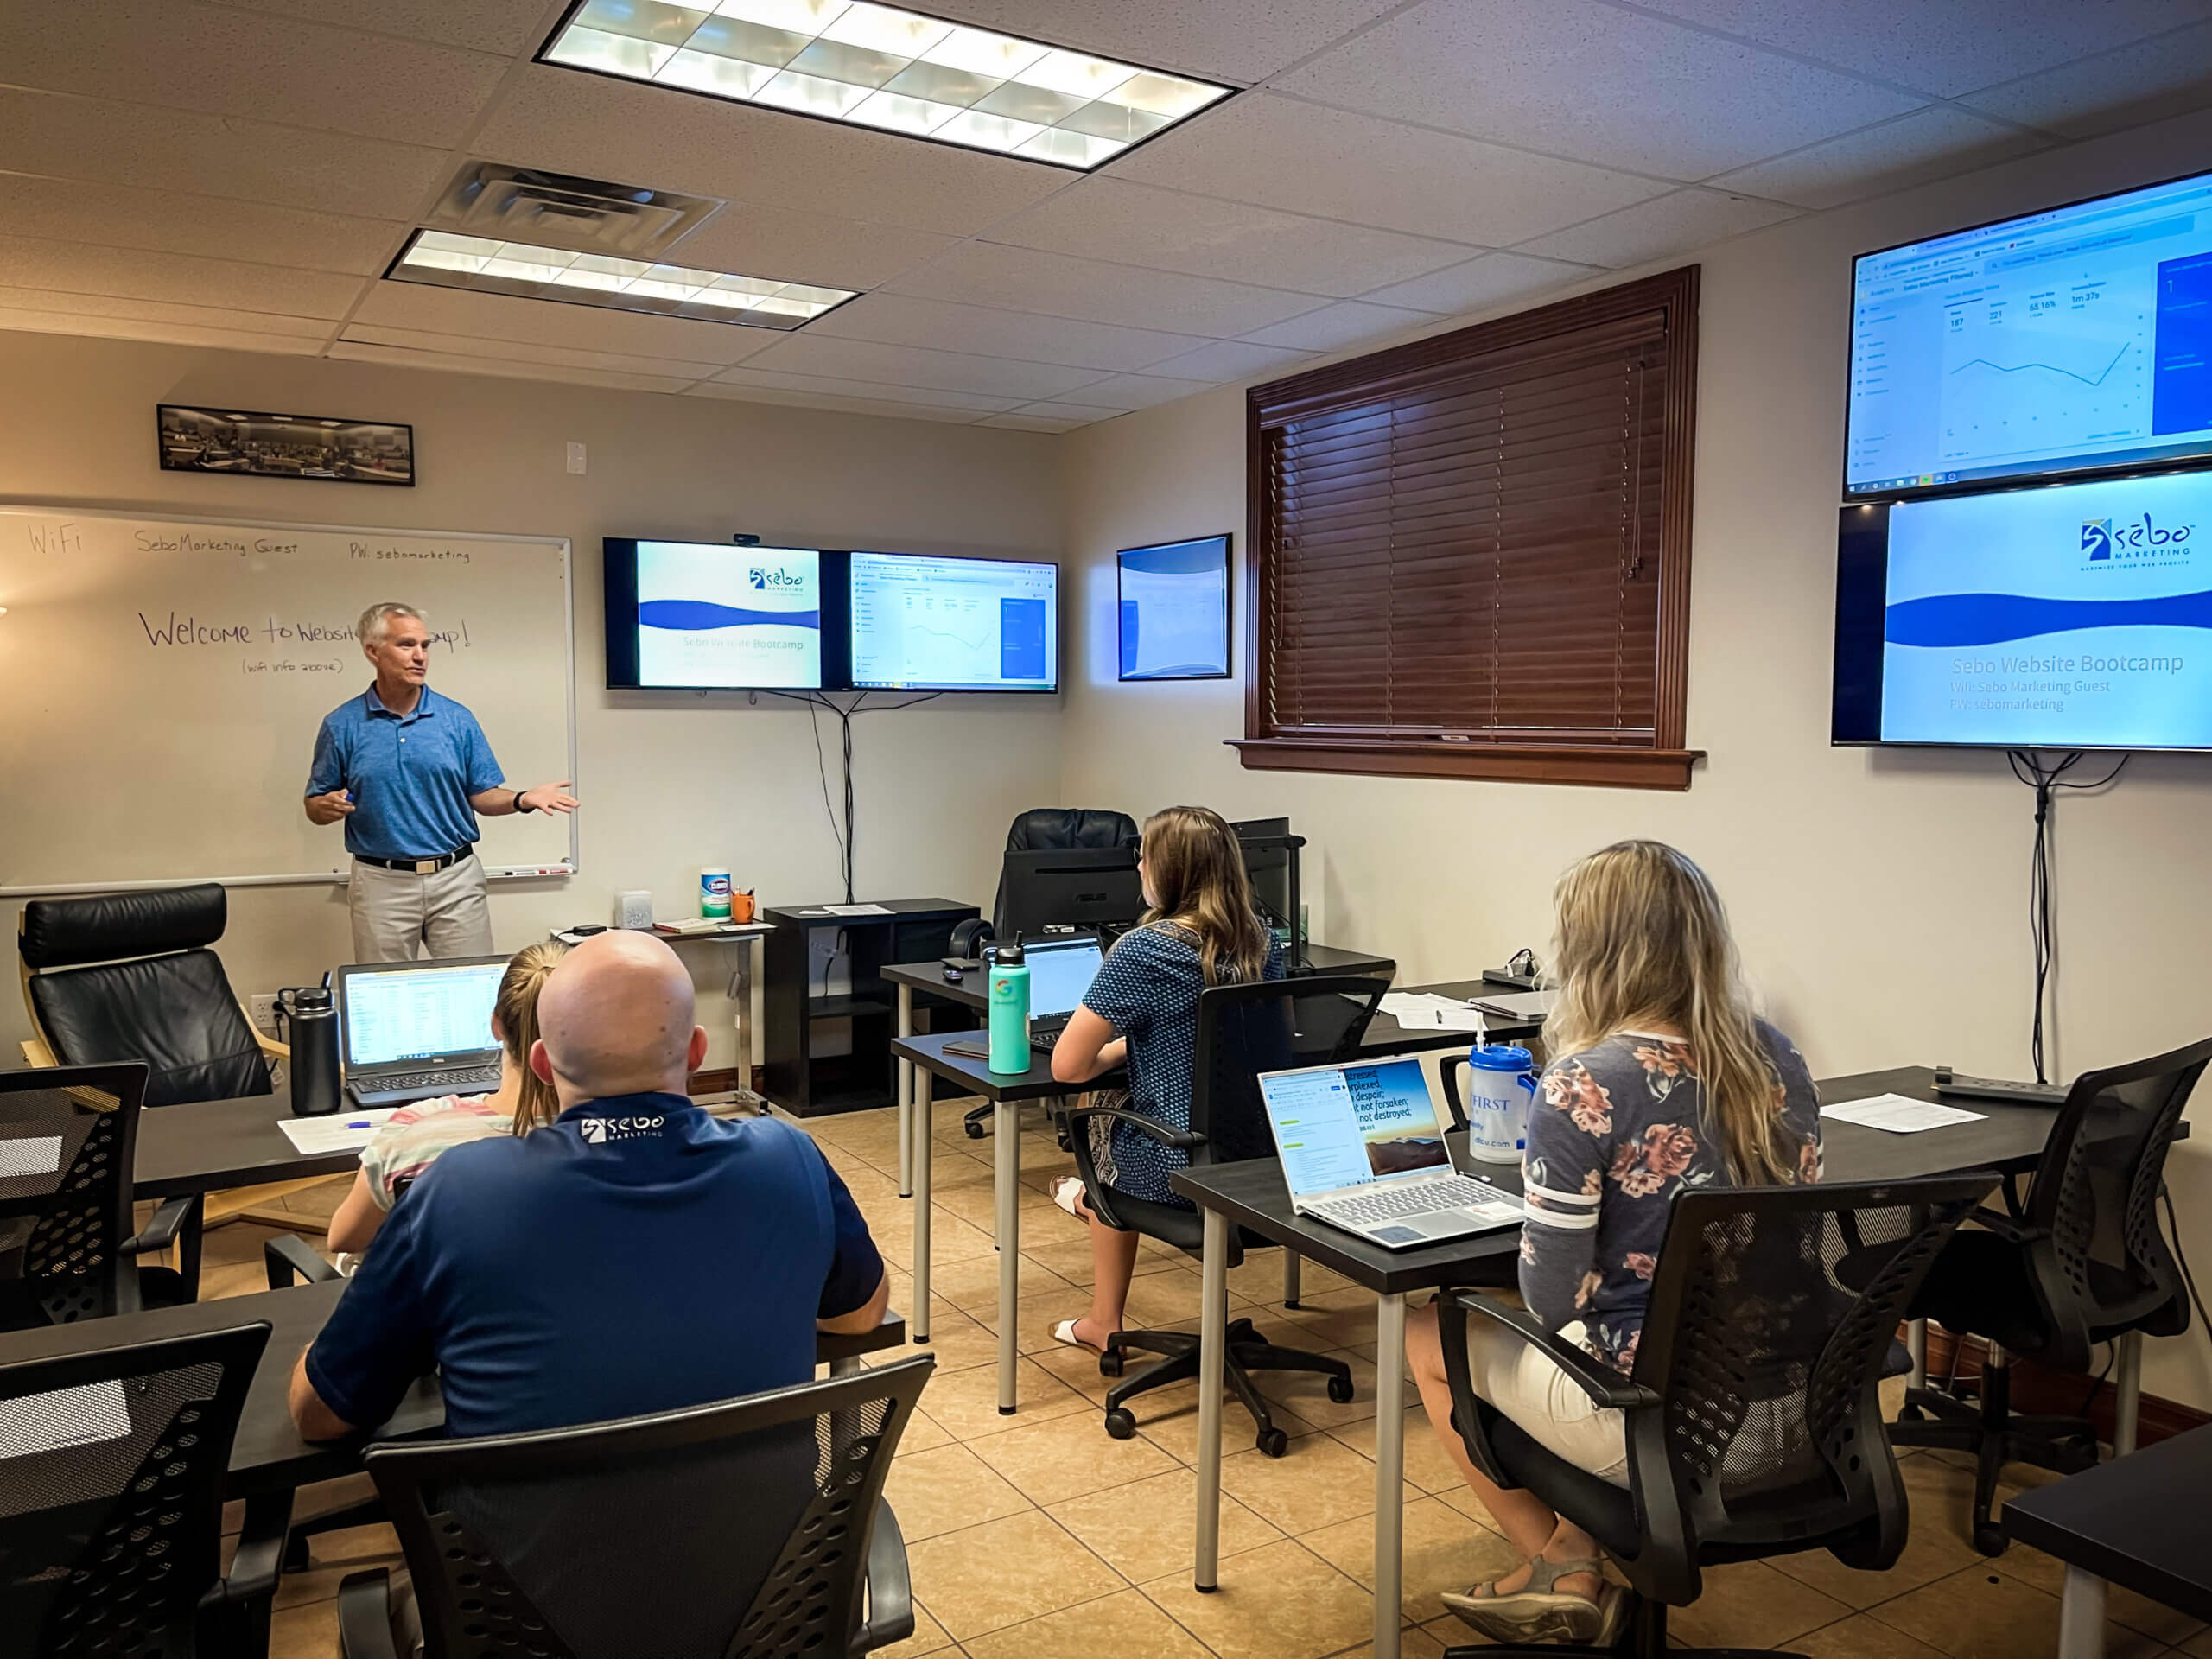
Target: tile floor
{"points": [[1036, 1535]]}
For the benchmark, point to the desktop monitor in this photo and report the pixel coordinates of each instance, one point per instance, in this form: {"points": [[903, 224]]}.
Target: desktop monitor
{"points": [[1271, 862], [1071, 887], [926, 623]]}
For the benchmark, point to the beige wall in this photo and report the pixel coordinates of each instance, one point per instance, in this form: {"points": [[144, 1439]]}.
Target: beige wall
{"points": [[669, 781], [1880, 897]]}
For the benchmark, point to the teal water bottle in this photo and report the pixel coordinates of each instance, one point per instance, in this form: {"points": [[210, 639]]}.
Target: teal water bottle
{"points": [[1009, 976]]}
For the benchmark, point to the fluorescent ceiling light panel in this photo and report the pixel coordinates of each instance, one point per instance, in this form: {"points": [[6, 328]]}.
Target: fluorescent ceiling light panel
{"points": [[450, 260], [886, 67]]}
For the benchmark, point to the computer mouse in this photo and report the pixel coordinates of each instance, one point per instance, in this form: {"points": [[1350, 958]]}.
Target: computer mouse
{"points": [[952, 975]]}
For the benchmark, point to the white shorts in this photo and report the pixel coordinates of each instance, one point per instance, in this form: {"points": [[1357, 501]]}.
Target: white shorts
{"points": [[1549, 1405]]}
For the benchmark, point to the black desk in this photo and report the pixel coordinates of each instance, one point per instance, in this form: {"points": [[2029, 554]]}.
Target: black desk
{"points": [[269, 1454], [208, 1145], [2008, 1138]]}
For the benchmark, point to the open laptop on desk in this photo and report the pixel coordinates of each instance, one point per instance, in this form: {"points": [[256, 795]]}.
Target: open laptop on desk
{"points": [[415, 1030], [1362, 1149], [1061, 967]]}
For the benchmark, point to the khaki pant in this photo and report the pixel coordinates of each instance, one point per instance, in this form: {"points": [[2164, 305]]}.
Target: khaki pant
{"points": [[399, 916]]}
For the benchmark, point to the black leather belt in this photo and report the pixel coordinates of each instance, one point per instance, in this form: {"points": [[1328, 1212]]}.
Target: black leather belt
{"points": [[417, 866]]}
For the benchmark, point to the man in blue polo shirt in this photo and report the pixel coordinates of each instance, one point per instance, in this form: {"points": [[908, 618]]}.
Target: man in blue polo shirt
{"points": [[636, 1256], [406, 771]]}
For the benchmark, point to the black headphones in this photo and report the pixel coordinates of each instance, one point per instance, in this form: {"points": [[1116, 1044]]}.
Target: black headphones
{"points": [[969, 938]]}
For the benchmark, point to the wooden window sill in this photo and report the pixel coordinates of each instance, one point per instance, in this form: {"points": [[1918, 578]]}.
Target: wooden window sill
{"points": [[1523, 763]]}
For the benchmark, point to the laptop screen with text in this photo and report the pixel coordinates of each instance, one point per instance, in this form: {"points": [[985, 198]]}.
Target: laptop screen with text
{"points": [[1060, 973], [1339, 1126], [419, 1013]]}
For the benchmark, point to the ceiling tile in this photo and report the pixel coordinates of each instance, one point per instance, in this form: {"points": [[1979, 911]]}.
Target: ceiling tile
{"points": [[1077, 414], [1490, 280], [604, 128], [1228, 40], [184, 55], [1233, 360], [1301, 157], [114, 143], [1134, 391], [887, 408], [1345, 323], [757, 241], [902, 320], [168, 333], [1026, 422], [505, 368], [551, 322], [1653, 230], [206, 317], [1200, 236], [1022, 279], [1580, 78], [1944, 49], [113, 216], [559, 357], [974, 403], [2165, 77], [76, 268], [508, 26], [1931, 143], [910, 366]]}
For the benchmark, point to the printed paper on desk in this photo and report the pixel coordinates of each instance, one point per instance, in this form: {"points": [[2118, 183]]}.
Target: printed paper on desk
{"points": [[36, 1154], [340, 1132], [857, 909], [1899, 1115]]}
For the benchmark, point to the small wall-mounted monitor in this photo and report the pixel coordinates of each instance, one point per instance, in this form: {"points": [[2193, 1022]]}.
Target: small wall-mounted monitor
{"points": [[1174, 610], [714, 616], [924, 622]]}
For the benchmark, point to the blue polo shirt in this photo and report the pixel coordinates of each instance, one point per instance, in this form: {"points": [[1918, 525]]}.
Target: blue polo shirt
{"points": [[411, 774], [635, 1255]]}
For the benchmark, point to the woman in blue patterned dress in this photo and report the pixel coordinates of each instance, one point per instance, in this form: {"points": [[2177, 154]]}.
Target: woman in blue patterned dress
{"points": [[1202, 927], [1661, 1079]]}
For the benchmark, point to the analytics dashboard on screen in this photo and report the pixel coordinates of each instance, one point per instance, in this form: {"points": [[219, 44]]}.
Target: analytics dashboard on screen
{"points": [[940, 623], [2074, 340]]}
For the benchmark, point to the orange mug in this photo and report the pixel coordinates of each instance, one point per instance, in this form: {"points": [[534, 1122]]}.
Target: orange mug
{"points": [[741, 905]]}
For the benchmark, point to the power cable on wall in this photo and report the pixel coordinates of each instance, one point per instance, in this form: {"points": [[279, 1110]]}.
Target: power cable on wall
{"points": [[841, 826], [2043, 914]]}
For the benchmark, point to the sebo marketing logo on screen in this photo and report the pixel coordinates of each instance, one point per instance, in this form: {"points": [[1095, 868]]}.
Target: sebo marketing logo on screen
{"points": [[774, 579], [2127, 540]]}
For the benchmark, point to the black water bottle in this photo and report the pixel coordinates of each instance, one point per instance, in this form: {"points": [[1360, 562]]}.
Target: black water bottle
{"points": [[313, 1025]]}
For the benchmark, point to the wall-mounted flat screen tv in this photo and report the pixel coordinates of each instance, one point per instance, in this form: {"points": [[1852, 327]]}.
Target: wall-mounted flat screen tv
{"points": [[925, 622], [1174, 611], [714, 616]]}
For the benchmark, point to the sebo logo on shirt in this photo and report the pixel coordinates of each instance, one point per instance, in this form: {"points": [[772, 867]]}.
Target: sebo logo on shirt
{"points": [[597, 1131]]}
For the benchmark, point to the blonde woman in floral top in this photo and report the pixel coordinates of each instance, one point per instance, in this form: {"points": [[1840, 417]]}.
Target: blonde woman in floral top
{"points": [[1663, 1079]]}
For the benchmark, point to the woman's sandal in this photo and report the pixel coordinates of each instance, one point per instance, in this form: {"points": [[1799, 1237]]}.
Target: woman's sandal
{"points": [[1540, 1612], [1065, 1333], [1064, 1192]]}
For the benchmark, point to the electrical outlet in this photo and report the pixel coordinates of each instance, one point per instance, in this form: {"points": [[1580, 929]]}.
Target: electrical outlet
{"points": [[264, 1012], [575, 457]]}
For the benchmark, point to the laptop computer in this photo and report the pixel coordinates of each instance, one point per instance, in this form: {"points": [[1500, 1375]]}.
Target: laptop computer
{"points": [[413, 1030], [1061, 968], [1363, 1150]]}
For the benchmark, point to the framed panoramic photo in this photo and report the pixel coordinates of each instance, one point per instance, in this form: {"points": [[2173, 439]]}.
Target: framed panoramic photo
{"points": [[220, 440], [1174, 610]]}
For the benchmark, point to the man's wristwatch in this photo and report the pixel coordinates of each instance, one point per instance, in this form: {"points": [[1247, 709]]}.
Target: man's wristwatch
{"points": [[520, 806]]}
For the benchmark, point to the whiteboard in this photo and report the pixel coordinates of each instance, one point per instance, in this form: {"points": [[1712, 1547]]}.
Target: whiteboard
{"points": [[161, 681]]}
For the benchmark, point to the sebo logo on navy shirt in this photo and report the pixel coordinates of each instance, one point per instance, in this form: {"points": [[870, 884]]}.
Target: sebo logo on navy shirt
{"points": [[597, 1131]]}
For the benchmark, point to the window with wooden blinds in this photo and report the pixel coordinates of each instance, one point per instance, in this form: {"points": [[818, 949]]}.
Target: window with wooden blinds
{"points": [[1469, 556]]}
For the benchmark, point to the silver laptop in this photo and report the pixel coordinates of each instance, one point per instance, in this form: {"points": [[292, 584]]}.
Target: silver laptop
{"points": [[1061, 967], [1362, 1149], [415, 1030]]}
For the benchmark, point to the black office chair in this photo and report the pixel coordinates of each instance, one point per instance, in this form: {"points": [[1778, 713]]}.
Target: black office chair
{"points": [[66, 1249], [111, 1471], [2081, 1261], [1054, 829], [1753, 1420], [1243, 1030], [750, 1527]]}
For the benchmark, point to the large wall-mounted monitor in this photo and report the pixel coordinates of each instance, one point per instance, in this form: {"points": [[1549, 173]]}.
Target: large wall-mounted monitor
{"points": [[2058, 344], [925, 622], [1174, 611], [2074, 617], [714, 616]]}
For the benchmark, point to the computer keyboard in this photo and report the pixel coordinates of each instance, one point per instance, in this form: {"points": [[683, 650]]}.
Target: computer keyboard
{"points": [[455, 1083], [1460, 1192]]}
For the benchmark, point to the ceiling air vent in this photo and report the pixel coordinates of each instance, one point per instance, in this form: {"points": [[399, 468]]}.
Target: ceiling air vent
{"points": [[519, 204]]}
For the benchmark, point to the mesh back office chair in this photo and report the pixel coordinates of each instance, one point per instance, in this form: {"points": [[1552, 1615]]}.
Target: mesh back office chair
{"points": [[750, 1528], [130, 977], [1243, 1030], [1753, 1420], [111, 1472], [67, 1138], [2081, 1262]]}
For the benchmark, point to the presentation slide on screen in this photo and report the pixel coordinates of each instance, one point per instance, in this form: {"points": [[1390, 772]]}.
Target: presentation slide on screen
{"points": [[2078, 337], [944, 624], [415, 1015], [733, 616], [1175, 610], [2069, 617], [1348, 1125]]}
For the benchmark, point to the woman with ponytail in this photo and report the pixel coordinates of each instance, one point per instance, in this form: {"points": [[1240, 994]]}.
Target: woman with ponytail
{"points": [[1661, 1079]]}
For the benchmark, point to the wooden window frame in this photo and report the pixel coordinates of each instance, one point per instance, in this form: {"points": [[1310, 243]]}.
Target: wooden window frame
{"points": [[1662, 763]]}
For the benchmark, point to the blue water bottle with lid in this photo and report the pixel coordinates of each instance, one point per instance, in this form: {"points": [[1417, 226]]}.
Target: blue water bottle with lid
{"points": [[1009, 1009], [1501, 1087]]}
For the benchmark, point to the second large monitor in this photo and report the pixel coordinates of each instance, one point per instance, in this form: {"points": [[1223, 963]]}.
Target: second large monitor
{"points": [[927, 623]]}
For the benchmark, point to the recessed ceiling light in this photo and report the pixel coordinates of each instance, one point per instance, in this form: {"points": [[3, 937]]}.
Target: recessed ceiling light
{"points": [[882, 66], [450, 260]]}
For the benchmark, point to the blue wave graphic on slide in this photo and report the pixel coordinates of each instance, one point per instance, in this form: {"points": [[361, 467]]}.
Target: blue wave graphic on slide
{"points": [[1945, 619], [697, 615]]}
